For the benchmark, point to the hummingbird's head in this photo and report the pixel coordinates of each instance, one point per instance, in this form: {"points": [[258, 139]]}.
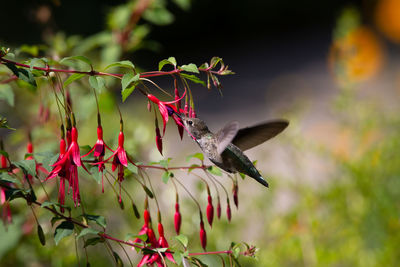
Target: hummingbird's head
{"points": [[195, 126]]}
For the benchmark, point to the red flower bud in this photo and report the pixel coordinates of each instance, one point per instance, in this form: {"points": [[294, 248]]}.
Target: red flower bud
{"points": [[160, 229], [3, 161], [151, 237], [210, 211], [219, 209], [203, 236], [177, 219], [149, 106], [146, 216], [159, 140], [228, 211]]}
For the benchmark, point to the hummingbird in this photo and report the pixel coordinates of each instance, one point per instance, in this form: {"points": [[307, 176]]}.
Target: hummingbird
{"points": [[225, 148]]}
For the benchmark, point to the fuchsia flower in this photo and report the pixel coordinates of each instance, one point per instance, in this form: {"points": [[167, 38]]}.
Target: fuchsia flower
{"points": [[177, 219], [99, 150], [120, 160], [6, 210], [162, 107], [210, 211], [66, 167]]}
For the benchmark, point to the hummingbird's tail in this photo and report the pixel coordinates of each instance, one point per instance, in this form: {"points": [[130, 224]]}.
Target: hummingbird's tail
{"points": [[261, 180]]}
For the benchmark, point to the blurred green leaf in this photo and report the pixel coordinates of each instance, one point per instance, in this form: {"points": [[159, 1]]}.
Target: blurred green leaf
{"points": [[132, 168], [96, 175], [27, 166], [87, 231], [7, 178], [192, 78], [130, 236], [183, 4], [169, 61], [199, 156], [77, 58], [100, 220], [93, 241], [72, 78], [65, 229], [159, 16], [23, 74], [182, 239], [166, 175], [190, 68], [123, 64], [97, 83], [214, 170]]}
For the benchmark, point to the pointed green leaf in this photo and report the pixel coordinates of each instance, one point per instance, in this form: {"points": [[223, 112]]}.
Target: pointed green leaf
{"points": [[192, 78], [158, 15], [130, 236], [169, 61], [87, 231], [96, 175], [5, 177], [214, 61], [129, 78], [123, 64], [72, 78], [182, 239], [199, 156], [97, 83], [7, 94], [132, 168], [100, 220], [190, 68], [192, 167], [214, 170], [48, 203], [27, 166], [166, 175], [78, 58], [65, 229], [23, 74]]}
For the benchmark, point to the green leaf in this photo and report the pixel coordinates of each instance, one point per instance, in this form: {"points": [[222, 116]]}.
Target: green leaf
{"points": [[169, 61], [182, 239], [242, 175], [41, 235], [199, 156], [166, 175], [148, 191], [30, 49], [97, 83], [78, 58], [159, 16], [55, 219], [192, 167], [214, 170], [214, 61], [27, 166], [23, 74], [123, 64], [192, 78], [127, 92], [87, 231], [132, 168], [72, 78], [100, 220], [93, 241], [130, 236], [129, 78], [190, 68], [34, 63], [4, 153], [7, 94], [13, 193], [183, 4], [65, 229], [5, 177]]}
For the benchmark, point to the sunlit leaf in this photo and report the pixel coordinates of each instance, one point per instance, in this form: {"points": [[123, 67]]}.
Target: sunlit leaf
{"points": [[97, 83], [199, 156], [214, 170], [182, 239], [192, 78], [123, 64], [190, 68], [78, 58], [65, 229]]}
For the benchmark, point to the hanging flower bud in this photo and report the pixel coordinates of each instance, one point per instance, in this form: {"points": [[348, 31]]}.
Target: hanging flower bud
{"points": [[203, 235], [210, 211], [219, 209], [177, 219], [148, 106], [186, 109], [159, 140], [3, 161], [228, 210], [235, 191]]}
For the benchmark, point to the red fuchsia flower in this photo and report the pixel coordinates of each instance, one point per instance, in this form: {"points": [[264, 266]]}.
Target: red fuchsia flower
{"points": [[210, 211], [145, 227], [203, 235], [177, 219], [99, 150], [6, 210], [219, 209], [228, 210], [66, 167], [162, 107], [120, 160]]}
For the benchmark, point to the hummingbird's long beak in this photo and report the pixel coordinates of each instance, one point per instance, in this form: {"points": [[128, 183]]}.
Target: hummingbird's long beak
{"points": [[178, 115]]}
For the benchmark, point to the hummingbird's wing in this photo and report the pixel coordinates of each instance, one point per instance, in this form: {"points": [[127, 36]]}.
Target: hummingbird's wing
{"points": [[226, 135], [247, 138]]}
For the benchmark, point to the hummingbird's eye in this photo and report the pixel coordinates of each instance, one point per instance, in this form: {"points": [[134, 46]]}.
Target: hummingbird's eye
{"points": [[190, 122]]}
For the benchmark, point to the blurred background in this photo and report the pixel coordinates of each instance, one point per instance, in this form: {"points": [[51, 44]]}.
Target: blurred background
{"points": [[330, 67]]}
